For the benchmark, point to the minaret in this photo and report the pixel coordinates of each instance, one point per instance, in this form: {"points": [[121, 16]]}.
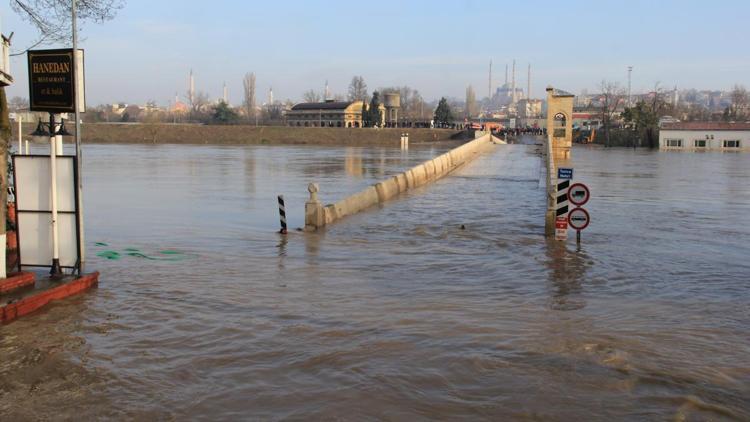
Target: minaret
{"points": [[489, 85], [513, 83], [327, 92], [191, 93], [270, 96], [226, 94]]}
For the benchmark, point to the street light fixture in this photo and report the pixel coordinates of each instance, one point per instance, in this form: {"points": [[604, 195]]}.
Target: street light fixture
{"points": [[54, 131]]}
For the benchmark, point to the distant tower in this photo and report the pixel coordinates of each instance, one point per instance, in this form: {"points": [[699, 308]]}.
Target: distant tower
{"points": [[528, 83], [327, 92], [513, 87], [226, 94], [270, 96], [489, 85], [191, 92], [506, 75]]}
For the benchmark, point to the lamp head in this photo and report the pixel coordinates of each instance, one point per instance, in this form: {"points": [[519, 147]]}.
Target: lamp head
{"points": [[62, 131], [41, 130]]}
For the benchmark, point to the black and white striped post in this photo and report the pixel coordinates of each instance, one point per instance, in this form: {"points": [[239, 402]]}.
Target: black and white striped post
{"points": [[564, 176], [561, 207], [282, 214]]}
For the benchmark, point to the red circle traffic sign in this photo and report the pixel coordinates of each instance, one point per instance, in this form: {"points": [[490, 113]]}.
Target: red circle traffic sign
{"points": [[578, 218], [578, 194]]}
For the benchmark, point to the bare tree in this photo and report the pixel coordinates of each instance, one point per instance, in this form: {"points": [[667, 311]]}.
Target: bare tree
{"points": [[311, 96], [198, 103], [417, 109], [612, 97], [52, 18], [358, 89], [738, 110], [18, 103], [248, 82]]}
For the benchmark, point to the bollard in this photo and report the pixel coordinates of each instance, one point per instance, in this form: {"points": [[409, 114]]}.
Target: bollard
{"points": [[282, 215], [27, 147], [314, 213]]}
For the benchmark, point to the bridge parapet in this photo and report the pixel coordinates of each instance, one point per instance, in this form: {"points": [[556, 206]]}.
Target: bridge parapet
{"points": [[317, 215]]}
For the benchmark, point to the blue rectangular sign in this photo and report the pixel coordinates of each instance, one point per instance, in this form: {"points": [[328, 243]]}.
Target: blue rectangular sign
{"points": [[564, 173]]}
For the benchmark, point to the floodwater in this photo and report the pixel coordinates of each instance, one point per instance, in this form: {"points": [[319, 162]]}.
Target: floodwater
{"points": [[397, 313]]}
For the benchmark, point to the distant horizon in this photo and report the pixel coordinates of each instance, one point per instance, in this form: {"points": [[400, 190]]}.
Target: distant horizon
{"points": [[147, 51]]}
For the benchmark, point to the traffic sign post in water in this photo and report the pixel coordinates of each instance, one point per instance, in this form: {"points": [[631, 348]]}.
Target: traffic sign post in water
{"points": [[565, 173], [579, 219], [578, 194]]}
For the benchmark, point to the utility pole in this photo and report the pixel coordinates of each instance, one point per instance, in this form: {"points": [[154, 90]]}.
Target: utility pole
{"points": [[630, 71], [79, 156]]}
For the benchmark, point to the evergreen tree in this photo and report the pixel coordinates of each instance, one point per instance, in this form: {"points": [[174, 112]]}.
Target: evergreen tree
{"points": [[223, 114], [374, 115], [443, 114]]}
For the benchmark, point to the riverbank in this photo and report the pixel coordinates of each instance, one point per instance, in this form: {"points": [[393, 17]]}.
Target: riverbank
{"points": [[138, 133]]}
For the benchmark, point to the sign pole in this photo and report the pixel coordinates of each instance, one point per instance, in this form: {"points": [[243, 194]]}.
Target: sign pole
{"points": [[79, 160], [56, 271]]}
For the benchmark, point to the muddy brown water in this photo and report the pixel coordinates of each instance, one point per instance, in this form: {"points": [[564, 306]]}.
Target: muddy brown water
{"points": [[396, 313]]}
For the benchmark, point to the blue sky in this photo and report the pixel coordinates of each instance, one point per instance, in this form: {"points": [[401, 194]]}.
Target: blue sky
{"points": [[437, 47]]}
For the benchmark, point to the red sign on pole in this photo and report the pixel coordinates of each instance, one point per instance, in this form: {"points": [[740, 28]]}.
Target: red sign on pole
{"points": [[561, 228], [579, 219], [578, 194]]}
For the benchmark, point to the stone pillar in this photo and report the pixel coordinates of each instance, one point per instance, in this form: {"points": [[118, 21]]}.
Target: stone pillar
{"points": [[314, 218], [560, 121]]}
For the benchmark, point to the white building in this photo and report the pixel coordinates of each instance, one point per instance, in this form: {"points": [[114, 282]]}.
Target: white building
{"points": [[698, 136]]}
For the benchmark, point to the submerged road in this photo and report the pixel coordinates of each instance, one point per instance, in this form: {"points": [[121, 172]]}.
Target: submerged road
{"points": [[397, 312]]}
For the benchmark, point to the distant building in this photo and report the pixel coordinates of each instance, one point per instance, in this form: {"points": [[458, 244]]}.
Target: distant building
{"points": [[528, 109], [504, 95], [587, 119], [328, 114], [699, 136]]}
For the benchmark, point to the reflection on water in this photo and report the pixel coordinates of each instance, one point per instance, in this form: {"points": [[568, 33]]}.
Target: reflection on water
{"points": [[397, 313], [567, 268]]}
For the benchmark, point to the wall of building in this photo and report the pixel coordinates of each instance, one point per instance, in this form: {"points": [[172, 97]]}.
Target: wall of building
{"points": [[715, 139]]}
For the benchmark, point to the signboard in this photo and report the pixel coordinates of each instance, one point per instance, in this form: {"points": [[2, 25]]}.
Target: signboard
{"points": [[578, 218], [512, 123], [51, 84], [564, 173], [578, 194], [561, 228], [34, 210]]}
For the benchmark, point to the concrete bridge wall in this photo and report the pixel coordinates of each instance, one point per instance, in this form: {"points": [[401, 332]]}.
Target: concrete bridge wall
{"points": [[316, 215]]}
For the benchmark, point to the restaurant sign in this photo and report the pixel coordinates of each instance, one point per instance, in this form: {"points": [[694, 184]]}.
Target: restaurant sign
{"points": [[52, 87]]}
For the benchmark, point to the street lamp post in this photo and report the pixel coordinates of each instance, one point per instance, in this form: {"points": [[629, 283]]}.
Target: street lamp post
{"points": [[79, 158], [54, 131]]}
